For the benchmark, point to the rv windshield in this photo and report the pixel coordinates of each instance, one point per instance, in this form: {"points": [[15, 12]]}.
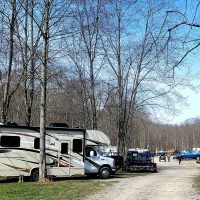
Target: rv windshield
{"points": [[98, 149], [108, 150]]}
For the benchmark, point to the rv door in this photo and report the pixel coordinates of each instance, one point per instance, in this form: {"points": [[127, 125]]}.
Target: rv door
{"points": [[64, 158], [59, 164]]}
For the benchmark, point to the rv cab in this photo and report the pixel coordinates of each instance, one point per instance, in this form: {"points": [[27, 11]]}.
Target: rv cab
{"points": [[96, 163]]}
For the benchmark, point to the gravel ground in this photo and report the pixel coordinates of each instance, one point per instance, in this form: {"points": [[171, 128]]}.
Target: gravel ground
{"points": [[172, 182]]}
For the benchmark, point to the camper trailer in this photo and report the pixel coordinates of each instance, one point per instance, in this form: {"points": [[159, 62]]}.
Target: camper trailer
{"points": [[66, 153]]}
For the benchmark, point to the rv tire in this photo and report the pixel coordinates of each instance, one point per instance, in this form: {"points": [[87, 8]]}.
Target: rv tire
{"points": [[104, 172], [35, 175]]}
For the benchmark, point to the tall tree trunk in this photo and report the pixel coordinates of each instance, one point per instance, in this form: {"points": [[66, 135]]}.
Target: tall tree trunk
{"points": [[32, 70], [42, 164], [93, 99], [122, 146], [31, 87], [6, 101], [26, 63]]}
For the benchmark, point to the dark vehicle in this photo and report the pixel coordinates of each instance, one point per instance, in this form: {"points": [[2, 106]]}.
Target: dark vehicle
{"points": [[139, 161], [119, 161], [162, 157]]}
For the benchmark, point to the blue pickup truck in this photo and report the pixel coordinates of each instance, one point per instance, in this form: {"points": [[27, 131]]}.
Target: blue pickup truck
{"points": [[187, 154]]}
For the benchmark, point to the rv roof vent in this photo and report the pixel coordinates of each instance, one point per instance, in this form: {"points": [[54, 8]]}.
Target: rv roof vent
{"points": [[60, 125]]}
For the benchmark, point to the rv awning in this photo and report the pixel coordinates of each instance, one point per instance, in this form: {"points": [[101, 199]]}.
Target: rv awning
{"points": [[95, 137]]}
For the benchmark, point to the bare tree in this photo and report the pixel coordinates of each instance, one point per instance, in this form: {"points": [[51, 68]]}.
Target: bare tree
{"points": [[142, 66], [45, 35], [187, 25], [6, 99], [29, 77], [83, 54]]}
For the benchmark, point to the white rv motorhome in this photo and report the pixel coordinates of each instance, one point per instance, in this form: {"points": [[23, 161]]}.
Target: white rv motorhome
{"points": [[19, 151], [65, 153]]}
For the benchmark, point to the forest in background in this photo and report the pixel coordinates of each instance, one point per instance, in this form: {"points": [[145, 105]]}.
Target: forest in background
{"points": [[110, 65]]}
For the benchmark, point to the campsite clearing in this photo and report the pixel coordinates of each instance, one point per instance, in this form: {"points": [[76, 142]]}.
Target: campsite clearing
{"points": [[172, 182]]}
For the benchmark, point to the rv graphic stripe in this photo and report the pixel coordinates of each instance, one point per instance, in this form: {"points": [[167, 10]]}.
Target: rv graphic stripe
{"points": [[28, 161], [18, 168], [60, 163], [93, 163]]}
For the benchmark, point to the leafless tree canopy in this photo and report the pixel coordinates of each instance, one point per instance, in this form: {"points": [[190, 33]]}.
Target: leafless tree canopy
{"points": [[108, 65]]}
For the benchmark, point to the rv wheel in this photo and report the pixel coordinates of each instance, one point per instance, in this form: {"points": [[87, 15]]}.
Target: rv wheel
{"points": [[104, 172], [35, 175]]}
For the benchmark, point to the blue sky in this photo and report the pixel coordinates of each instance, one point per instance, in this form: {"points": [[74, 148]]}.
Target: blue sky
{"points": [[191, 108]]}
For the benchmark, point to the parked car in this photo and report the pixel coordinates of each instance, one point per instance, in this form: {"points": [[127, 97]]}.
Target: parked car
{"points": [[187, 154], [162, 157]]}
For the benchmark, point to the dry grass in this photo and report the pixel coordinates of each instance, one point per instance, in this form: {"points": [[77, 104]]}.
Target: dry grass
{"points": [[62, 190]]}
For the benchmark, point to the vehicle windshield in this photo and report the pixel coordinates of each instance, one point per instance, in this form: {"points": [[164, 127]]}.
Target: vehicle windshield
{"points": [[107, 150], [99, 150]]}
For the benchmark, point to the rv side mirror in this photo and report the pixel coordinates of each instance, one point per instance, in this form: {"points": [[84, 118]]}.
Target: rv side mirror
{"points": [[91, 153]]}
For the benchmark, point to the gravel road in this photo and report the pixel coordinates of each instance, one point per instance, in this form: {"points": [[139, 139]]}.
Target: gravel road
{"points": [[172, 182]]}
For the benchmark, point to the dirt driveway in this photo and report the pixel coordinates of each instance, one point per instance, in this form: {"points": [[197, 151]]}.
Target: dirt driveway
{"points": [[172, 182]]}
